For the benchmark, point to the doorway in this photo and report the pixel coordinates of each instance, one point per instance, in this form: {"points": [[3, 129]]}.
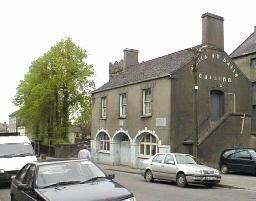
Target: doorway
{"points": [[216, 104]]}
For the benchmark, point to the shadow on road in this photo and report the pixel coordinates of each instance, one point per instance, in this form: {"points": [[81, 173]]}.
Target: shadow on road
{"points": [[5, 186], [190, 186]]}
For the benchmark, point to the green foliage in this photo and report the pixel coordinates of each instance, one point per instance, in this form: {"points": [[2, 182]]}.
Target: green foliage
{"points": [[55, 91]]}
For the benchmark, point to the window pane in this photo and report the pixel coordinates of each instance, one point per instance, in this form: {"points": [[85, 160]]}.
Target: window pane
{"points": [[108, 146], [153, 150], [143, 139], [142, 149], [147, 149], [147, 138], [153, 139]]}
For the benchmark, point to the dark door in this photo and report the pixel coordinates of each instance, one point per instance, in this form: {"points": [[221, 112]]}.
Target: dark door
{"points": [[216, 104], [242, 162]]}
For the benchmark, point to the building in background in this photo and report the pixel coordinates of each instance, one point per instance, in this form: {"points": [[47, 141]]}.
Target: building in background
{"points": [[15, 124], [147, 107], [245, 57], [3, 127]]}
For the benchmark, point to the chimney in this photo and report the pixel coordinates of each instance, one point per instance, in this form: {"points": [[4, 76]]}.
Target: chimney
{"points": [[212, 30], [130, 57]]}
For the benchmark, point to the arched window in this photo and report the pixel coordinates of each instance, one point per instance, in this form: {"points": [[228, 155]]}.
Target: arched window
{"points": [[104, 142], [148, 145]]}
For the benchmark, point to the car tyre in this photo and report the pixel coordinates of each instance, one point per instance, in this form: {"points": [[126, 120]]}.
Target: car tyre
{"points": [[181, 180], [224, 169], [149, 176]]}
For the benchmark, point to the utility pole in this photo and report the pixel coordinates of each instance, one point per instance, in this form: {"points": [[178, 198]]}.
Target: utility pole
{"points": [[197, 53]]}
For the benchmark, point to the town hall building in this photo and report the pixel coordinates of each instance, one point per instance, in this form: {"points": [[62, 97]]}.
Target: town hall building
{"points": [[148, 107]]}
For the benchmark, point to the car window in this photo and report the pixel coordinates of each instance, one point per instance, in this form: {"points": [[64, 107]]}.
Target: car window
{"points": [[21, 174], [67, 171], [252, 152], [158, 158], [28, 179], [168, 158], [243, 154], [228, 153], [184, 159]]}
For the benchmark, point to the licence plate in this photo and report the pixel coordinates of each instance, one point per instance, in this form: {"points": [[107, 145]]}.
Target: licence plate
{"points": [[210, 178]]}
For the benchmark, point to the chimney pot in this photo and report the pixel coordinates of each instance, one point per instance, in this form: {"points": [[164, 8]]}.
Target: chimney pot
{"points": [[212, 30]]}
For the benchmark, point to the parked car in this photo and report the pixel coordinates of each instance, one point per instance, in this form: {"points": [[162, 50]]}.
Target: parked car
{"points": [[15, 152], [181, 168], [238, 160], [75, 180]]}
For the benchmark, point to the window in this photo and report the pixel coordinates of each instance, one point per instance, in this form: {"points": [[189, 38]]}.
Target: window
{"points": [[122, 105], [104, 107], [148, 145], [30, 176], [146, 102], [168, 158], [104, 142], [253, 62], [242, 154], [158, 158]]}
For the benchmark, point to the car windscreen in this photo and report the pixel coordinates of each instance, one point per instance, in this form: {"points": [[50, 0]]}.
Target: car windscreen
{"points": [[184, 159], [16, 149], [67, 172]]}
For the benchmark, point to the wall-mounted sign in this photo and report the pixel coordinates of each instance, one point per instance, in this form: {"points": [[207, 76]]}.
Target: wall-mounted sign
{"points": [[160, 122]]}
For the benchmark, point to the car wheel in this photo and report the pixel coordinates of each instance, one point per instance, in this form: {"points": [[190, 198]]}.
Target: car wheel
{"points": [[224, 169], [181, 180], [149, 176]]}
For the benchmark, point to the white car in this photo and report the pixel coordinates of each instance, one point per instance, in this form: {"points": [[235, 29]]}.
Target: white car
{"points": [[181, 168], [15, 152]]}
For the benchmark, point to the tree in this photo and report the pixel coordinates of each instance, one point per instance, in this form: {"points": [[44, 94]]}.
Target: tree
{"points": [[55, 91]]}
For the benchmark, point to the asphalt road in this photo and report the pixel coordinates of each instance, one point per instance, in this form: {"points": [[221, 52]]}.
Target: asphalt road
{"points": [[165, 191]]}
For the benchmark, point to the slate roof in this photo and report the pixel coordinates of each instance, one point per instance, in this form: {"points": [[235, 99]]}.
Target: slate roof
{"points": [[152, 69], [247, 47]]}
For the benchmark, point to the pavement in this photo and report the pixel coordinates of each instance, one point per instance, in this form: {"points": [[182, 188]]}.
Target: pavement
{"points": [[237, 181]]}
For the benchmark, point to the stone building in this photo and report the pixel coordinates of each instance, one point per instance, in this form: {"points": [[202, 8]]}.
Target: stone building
{"points": [[147, 107], [245, 57]]}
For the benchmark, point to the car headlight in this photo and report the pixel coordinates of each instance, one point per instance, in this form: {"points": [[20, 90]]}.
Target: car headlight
{"points": [[1, 171], [199, 172], [130, 199], [216, 171]]}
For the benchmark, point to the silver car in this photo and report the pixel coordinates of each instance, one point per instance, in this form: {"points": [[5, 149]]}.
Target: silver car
{"points": [[181, 168]]}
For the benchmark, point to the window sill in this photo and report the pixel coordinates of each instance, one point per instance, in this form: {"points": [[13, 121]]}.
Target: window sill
{"points": [[144, 157], [104, 152], [123, 117], [103, 118], [146, 116]]}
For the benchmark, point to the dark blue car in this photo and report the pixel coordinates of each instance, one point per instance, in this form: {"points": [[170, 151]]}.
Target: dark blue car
{"points": [[76, 180]]}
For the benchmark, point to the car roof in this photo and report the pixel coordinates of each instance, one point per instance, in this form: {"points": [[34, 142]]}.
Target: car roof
{"points": [[55, 161], [176, 153]]}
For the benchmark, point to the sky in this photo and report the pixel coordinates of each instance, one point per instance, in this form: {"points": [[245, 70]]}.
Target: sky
{"points": [[104, 28]]}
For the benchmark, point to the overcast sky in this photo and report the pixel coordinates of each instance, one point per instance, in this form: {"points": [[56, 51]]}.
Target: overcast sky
{"points": [[104, 28]]}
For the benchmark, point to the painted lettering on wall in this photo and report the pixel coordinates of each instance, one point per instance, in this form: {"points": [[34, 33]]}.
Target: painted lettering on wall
{"points": [[227, 64], [215, 78]]}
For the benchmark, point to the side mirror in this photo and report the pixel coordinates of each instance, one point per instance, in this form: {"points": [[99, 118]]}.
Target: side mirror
{"points": [[110, 176], [24, 187]]}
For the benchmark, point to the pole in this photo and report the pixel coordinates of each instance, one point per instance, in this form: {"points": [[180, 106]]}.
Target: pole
{"points": [[195, 144]]}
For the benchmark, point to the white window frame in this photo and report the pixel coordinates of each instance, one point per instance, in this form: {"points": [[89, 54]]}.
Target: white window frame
{"points": [[122, 105], [147, 102], [104, 143], [150, 143], [104, 107]]}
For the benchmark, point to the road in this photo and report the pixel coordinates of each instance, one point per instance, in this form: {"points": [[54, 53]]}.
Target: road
{"points": [[165, 191]]}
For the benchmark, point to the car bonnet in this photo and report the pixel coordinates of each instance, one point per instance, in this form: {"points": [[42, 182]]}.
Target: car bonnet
{"points": [[97, 191]]}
